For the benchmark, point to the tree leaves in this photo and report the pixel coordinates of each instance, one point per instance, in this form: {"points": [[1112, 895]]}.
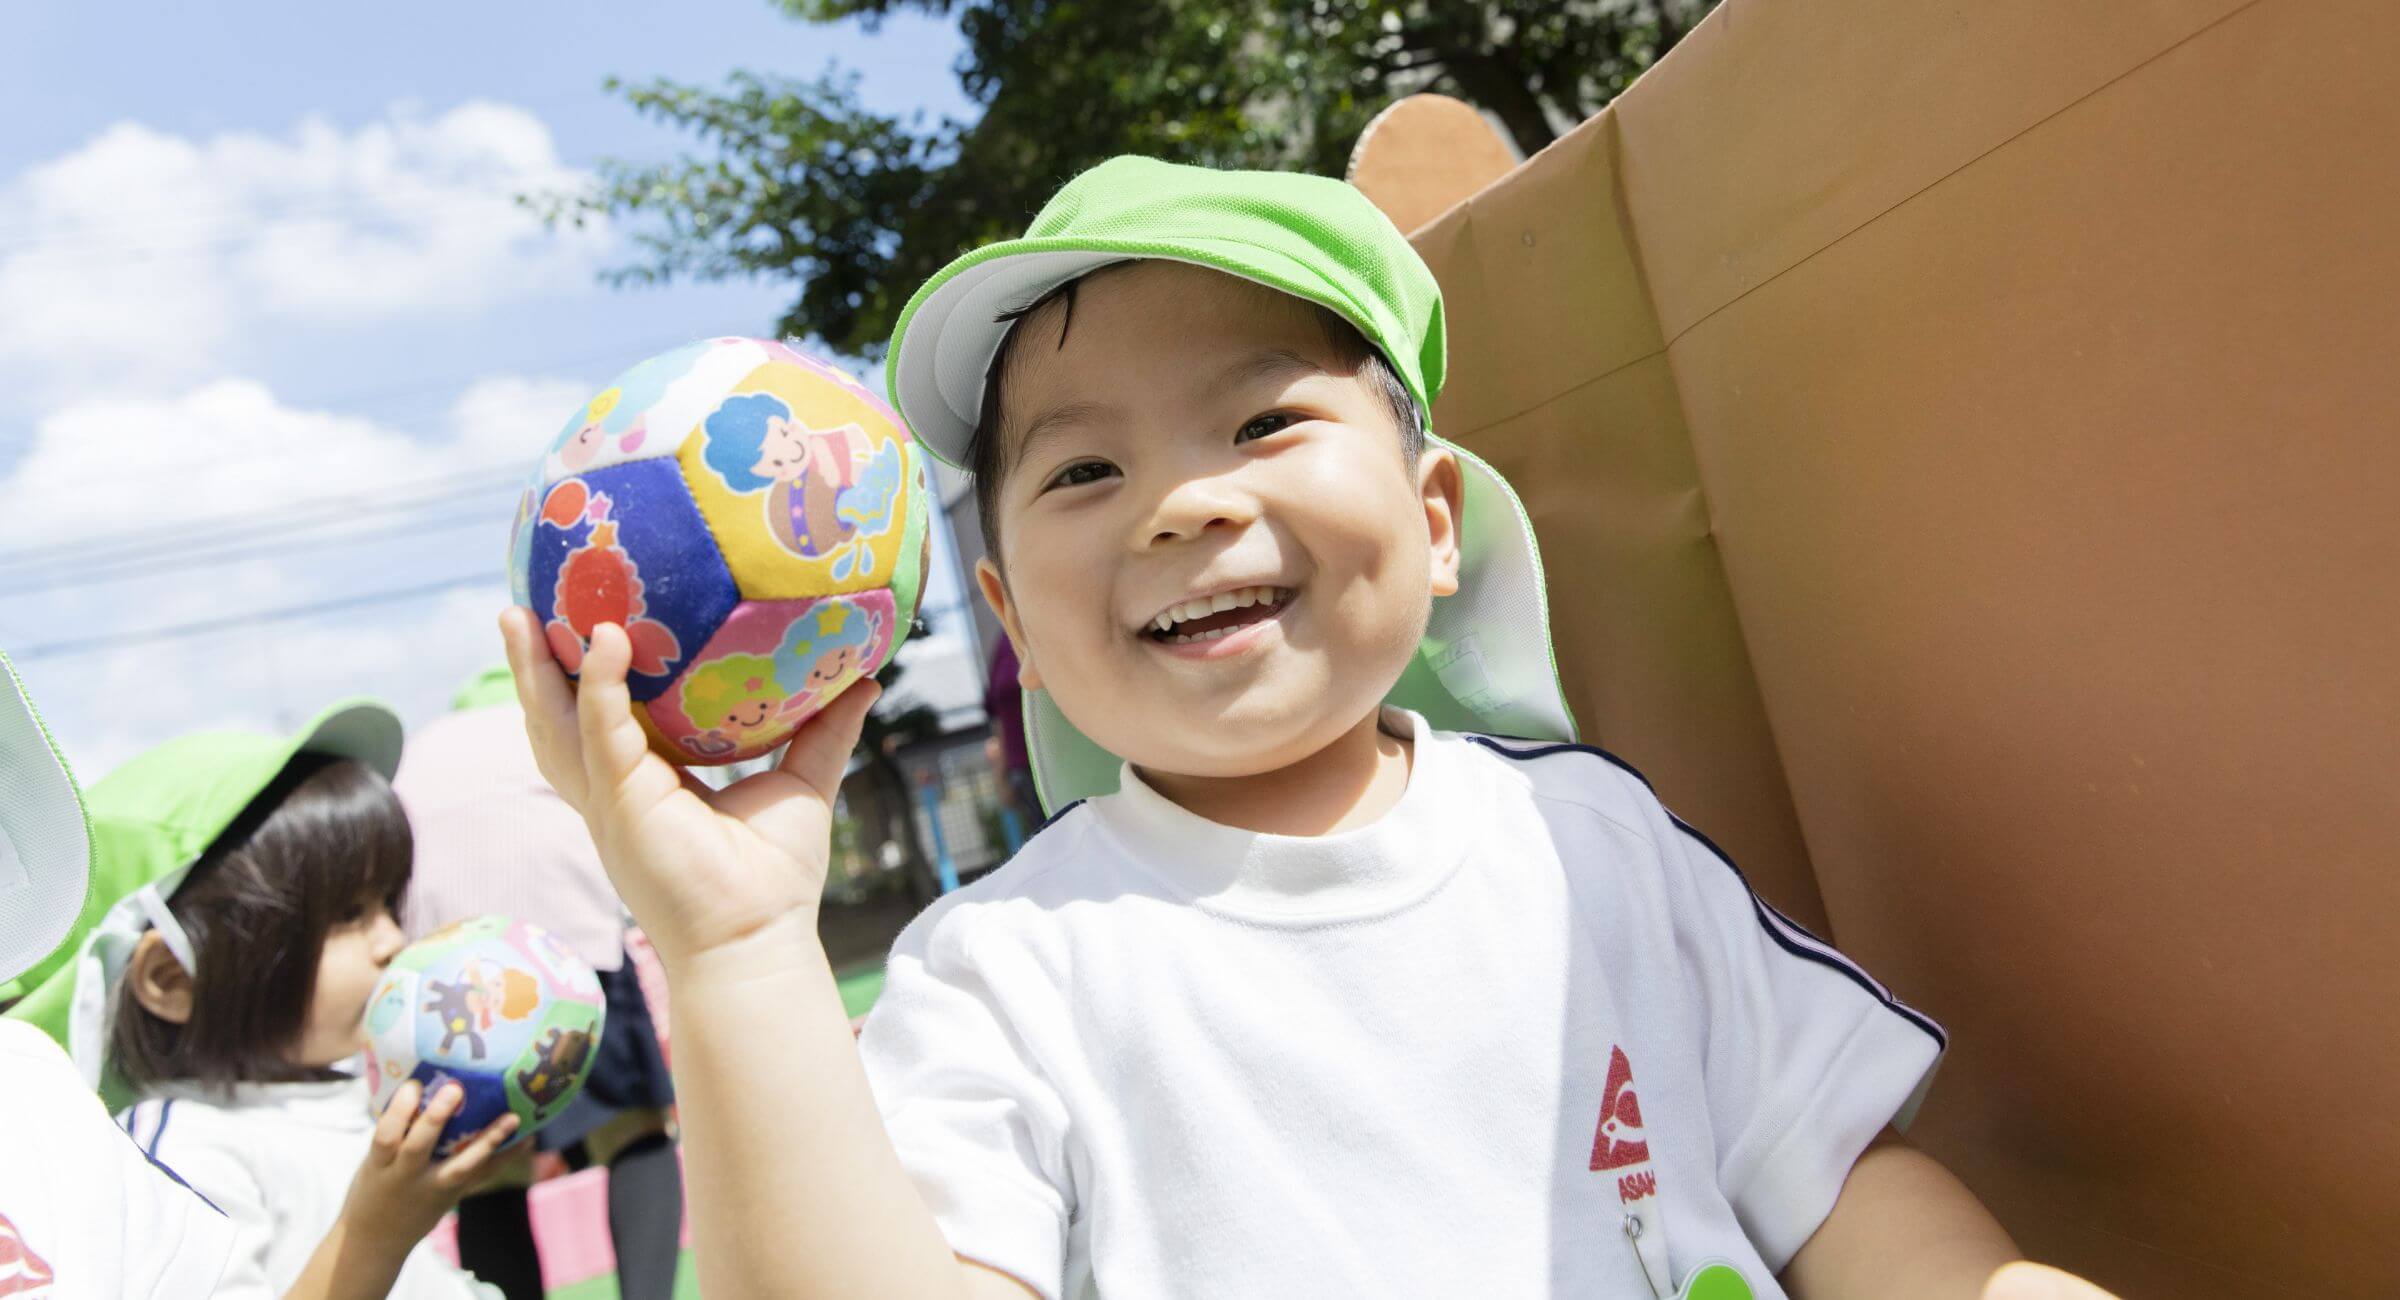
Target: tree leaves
{"points": [[795, 179]]}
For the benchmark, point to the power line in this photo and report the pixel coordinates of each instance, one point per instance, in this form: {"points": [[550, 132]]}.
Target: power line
{"points": [[253, 618], [97, 548], [211, 554]]}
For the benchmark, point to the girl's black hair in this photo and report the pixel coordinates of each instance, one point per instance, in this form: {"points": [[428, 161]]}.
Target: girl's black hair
{"points": [[322, 844], [987, 457]]}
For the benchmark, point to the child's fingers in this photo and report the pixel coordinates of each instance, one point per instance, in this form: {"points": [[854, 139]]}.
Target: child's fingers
{"points": [[788, 814], [548, 699], [613, 743], [821, 750], [468, 1163], [393, 1124], [426, 1130]]}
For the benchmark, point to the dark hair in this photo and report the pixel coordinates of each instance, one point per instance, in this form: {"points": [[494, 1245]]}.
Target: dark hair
{"points": [[987, 459], [324, 840]]}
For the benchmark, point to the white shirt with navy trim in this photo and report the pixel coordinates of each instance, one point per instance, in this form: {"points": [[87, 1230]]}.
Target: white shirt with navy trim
{"points": [[84, 1214], [279, 1159], [1524, 1035]]}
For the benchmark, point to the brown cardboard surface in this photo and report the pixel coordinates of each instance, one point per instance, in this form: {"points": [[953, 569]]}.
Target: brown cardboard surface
{"points": [[1777, 128], [1645, 628], [1557, 376], [2004, 552], [1545, 251], [1449, 152]]}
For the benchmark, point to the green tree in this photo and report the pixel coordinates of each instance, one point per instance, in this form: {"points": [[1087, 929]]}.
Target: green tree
{"points": [[795, 180]]}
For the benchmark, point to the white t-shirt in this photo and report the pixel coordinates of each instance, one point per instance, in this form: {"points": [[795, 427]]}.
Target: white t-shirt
{"points": [[278, 1159], [84, 1215], [1525, 1035]]}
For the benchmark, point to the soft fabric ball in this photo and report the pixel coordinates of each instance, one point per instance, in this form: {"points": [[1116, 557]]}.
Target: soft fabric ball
{"points": [[499, 1007], [754, 519]]}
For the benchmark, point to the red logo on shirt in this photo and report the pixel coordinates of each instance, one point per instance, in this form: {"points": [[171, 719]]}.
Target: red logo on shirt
{"points": [[1619, 1143], [21, 1271]]}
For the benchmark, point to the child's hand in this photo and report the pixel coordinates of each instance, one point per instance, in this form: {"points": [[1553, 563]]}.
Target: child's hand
{"points": [[698, 867], [400, 1193]]}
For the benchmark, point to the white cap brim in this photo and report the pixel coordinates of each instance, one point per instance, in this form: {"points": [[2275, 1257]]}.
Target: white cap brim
{"points": [[45, 841], [940, 388]]}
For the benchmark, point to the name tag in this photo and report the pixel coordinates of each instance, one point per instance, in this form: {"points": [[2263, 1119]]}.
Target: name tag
{"points": [[1461, 672]]}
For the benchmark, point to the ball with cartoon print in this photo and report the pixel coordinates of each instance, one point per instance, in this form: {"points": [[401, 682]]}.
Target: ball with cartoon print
{"points": [[753, 517], [501, 1008]]}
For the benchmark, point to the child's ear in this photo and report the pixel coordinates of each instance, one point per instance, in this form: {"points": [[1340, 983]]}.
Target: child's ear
{"points": [[1443, 489], [159, 982], [995, 594]]}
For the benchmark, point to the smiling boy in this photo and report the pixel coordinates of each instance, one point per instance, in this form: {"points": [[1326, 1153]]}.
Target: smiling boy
{"points": [[1310, 987]]}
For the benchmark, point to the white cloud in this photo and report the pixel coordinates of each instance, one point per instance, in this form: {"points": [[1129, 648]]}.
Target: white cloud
{"points": [[174, 470], [116, 464], [146, 280], [110, 706], [227, 449], [146, 256]]}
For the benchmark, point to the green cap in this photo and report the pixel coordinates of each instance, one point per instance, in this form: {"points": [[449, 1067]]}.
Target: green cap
{"points": [[1310, 236], [1486, 662], [491, 687], [151, 819]]}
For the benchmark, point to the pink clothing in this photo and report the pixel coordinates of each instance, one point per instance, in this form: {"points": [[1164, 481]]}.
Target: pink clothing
{"points": [[492, 836]]}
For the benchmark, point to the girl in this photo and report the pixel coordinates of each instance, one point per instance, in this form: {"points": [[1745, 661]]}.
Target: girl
{"points": [[230, 994]]}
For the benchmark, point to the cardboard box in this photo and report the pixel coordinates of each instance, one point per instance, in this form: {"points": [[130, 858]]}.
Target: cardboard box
{"points": [[1962, 438]]}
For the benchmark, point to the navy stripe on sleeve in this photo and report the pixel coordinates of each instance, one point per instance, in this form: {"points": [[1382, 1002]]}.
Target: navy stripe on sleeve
{"points": [[150, 1149], [1788, 934]]}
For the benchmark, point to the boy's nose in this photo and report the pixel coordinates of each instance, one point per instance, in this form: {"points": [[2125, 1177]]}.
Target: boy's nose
{"points": [[1195, 506]]}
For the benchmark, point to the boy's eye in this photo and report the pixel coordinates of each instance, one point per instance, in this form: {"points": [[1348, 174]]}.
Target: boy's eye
{"points": [[1082, 472], [1263, 425]]}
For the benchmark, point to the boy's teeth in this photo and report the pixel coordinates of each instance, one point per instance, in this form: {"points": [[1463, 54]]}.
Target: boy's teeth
{"points": [[1207, 605]]}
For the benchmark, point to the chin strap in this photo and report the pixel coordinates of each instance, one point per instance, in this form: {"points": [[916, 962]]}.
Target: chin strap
{"points": [[170, 930]]}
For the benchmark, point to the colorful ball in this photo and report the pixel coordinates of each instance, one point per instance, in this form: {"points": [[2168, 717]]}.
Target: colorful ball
{"points": [[755, 520], [499, 1007]]}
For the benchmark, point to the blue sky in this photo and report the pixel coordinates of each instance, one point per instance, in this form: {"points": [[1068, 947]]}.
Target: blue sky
{"points": [[260, 260]]}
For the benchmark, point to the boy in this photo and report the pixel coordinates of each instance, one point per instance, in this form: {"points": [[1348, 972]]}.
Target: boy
{"points": [[1296, 994]]}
